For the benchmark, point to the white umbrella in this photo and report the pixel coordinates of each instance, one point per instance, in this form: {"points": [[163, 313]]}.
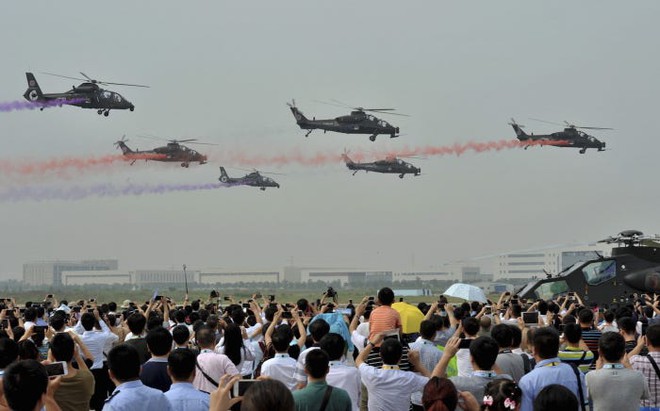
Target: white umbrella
{"points": [[467, 292]]}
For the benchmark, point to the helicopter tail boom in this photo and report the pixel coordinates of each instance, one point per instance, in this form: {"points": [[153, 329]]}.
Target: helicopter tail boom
{"points": [[519, 131], [33, 93], [299, 116]]}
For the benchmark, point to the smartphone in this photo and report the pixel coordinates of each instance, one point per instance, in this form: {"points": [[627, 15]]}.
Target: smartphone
{"points": [[92, 300], [258, 295], [571, 293], [90, 310], [391, 334], [241, 386], [76, 309], [300, 313], [287, 315], [514, 301], [344, 311], [465, 343], [158, 298], [531, 318], [246, 305], [227, 298], [488, 309], [371, 298], [57, 368], [271, 297]]}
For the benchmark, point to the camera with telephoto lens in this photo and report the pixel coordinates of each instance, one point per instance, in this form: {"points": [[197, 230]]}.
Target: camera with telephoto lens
{"points": [[331, 293]]}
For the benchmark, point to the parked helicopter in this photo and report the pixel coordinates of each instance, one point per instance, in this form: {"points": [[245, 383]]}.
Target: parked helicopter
{"points": [[172, 152], [254, 179], [634, 266], [570, 137], [358, 122], [86, 95], [391, 165]]}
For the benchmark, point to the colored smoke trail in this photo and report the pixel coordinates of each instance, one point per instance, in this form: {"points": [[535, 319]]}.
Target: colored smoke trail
{"points": [[61, 165], [326, 158], [33, 105], [99, 190]]}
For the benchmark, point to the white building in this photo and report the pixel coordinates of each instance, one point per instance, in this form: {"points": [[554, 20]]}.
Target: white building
{"points": [[49, 273]]}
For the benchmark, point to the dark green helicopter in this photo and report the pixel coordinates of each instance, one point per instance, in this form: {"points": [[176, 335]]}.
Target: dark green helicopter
{"points": [[571, 136], [633, 267], [86, 95], [358, 122], [389, 165]]}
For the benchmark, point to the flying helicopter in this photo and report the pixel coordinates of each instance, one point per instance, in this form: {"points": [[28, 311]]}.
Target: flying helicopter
{"points": [[358, 122], [634, 266], [390, 164], [254, 179], [572, 136], [86, 95], [172, 152]]}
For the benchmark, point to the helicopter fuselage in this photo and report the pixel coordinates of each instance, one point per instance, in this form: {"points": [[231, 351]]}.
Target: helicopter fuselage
{"points": [[358, 122]]}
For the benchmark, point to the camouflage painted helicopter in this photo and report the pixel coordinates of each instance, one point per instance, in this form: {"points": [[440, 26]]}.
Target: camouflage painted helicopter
{"points": [[86, 95], [633, 267], [390, 165], [358, 122], [572, 136], [172, 152], [254, 179]]}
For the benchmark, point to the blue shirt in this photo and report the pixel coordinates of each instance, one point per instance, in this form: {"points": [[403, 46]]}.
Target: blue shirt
{"points": [[133, 395], [184, 397], [546, 372]]}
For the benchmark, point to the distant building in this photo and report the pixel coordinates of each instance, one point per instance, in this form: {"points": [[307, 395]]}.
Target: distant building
{"points": [[225, 276], [96, 277], [49, 273], [157, 277], [526, 265]]}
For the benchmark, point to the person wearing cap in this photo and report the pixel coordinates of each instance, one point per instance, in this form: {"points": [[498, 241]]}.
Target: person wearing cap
{"points": [[126, 304]]}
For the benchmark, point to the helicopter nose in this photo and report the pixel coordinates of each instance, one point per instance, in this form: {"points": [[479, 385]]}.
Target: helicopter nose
{"points": [[396, 129]]}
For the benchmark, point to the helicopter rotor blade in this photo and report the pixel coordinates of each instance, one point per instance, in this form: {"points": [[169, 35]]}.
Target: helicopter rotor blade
{"points": [[201, 143], [331, 104], [61, 76], [188, 140], [386, 111], [88, 77], [122, 84], [547, 122], [596, 128]]}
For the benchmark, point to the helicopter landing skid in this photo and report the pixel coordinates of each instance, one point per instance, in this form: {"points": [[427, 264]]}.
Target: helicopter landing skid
{"points": [[373, 137], [308, 133]]}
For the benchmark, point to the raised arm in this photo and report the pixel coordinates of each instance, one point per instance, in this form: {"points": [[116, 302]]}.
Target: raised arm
{"points": [[301, 329]]}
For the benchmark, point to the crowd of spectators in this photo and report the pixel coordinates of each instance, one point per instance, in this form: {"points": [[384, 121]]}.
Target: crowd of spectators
{"points": [[322, 356]]}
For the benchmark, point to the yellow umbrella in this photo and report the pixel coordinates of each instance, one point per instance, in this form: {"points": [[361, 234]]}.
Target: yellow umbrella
{"points": [[411, 317]]}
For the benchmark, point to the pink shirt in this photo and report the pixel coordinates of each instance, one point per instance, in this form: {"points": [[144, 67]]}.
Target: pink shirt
{"points": [[215, 366]]}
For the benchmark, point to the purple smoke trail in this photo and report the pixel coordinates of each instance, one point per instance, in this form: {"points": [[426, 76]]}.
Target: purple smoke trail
{"points": [[99, 190], [33, 105]]}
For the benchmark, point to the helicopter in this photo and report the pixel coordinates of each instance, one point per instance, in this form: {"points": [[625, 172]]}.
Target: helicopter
{"points": [[86, 95], [572, 136], [390, 165], [633, 267], [358, 122], [172, 152], [254, 179]]}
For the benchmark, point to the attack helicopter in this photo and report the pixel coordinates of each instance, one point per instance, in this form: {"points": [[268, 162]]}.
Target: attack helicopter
{"points": [[633, 267], [254, 179], [172, 152], [358, 122], [86, 95], [572, 136], [390, 165]]}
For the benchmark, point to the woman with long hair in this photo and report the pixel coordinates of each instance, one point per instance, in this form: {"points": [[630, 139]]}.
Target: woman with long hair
{"points": [[234, 348]]}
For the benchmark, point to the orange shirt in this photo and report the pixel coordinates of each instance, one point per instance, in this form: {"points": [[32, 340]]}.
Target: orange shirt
{"points": [[383, 318]]}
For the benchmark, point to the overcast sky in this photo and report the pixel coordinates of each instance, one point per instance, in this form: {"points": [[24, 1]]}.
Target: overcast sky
{"points": [[222, 72]]}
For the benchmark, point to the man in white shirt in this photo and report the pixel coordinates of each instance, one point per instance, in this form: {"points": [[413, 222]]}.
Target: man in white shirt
{"points": [[341, 375], [96, 341], [429, 355], [318, 329], [389, 388], [281, 367]]}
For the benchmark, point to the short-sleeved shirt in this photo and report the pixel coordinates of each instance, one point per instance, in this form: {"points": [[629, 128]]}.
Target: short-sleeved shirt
{"points": [[311, 397], [476, 382], [133, 395], [390, 389], [184, 397], [75, 392], [348, 379], [154, 374], [511, 364], [631, 388], [383, 318], [578, 357], [282, 368], [642, 363], [546, 372], [215, 366]]}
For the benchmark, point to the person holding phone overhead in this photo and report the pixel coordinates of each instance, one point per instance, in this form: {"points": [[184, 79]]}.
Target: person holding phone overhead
{"points": [[77, 385]]}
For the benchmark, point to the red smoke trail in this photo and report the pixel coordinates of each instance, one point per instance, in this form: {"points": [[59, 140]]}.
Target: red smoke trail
{"points": [[242, 158], [61, 166]]}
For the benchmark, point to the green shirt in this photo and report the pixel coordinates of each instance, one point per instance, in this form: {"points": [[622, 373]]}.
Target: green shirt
{"points": [[311, 397], [575, 355]]}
